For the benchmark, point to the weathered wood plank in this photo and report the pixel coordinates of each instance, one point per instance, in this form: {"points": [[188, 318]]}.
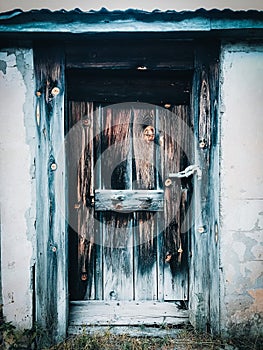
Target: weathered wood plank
{"points": [[175, 269], [117, 256], [145, 257], [132, 331], [129, 200], [126, 313], [111, 86], [81, 196], [143, 148], [51, 261], [204, 299], [115, 151], [158, 55]]}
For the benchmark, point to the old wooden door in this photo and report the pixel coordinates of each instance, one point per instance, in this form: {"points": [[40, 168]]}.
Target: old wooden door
{"points": [[129, 237]]}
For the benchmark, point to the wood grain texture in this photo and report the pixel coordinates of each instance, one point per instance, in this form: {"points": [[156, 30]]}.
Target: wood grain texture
{"points": [[205, 287], [126, 313], [155, 55], [132, 331], [51, 262], [81, 199], [145, 257], [128, 200], [117, 256], [175, 242], [115, 148], [133, 149], [117, 86]]}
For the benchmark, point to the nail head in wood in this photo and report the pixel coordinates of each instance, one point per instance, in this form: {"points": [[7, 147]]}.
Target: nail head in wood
{"points": [[201, 229], [38, 93], [168, 182], [55, 91], [202, 143], [53, 166], [84, 277]]}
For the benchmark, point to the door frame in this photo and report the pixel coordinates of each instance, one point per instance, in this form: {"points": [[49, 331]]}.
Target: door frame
{"points": [[51, 277]]}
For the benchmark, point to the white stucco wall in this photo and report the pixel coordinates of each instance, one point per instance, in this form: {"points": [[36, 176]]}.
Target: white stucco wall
{"points": [[242, 187], [17, 184]]}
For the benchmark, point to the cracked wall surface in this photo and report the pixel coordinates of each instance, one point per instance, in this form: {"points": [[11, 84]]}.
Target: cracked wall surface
{"points": [[17, 184], [241, 204]]}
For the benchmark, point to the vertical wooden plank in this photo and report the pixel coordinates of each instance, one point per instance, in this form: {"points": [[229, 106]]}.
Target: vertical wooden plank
{"points": [[159, 155], [145, 257], [115, 150], [143, 148], [214, 186], [175, 242], [86, 194], [117, 228], [98, 216], [205, 286], [117, 256], [144, 177], [73, 152], [81, 200], [51, 264]]}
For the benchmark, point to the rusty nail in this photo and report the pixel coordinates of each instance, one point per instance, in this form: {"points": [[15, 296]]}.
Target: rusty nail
{"points": [[202, 143], [53, 166], [84, 276], [86, 122], [168, 182], [55, 91], [54, 249], [201, 229], [38, 93]]}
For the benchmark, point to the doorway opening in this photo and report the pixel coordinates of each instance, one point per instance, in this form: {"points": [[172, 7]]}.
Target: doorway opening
{"points": [[129, 125]]}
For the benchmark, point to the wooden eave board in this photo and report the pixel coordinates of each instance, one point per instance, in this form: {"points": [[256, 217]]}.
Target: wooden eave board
{"points": [[101, 21]]}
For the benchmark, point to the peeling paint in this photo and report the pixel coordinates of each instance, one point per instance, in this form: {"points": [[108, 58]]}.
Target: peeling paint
{"points": [[17, 189], [257, 295], [3, 66]]}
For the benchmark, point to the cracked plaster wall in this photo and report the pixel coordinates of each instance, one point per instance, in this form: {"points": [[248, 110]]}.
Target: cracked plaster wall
{"points": [[241, 204], [17, 184]]}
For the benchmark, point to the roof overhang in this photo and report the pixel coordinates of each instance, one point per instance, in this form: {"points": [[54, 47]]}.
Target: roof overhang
{"points": [[131, 21]]}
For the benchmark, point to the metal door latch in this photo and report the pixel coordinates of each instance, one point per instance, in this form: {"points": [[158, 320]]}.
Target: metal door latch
{"points": [[190, 170]]}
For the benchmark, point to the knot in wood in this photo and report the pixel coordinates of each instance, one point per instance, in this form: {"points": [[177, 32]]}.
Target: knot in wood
{"points": [[149, 133]]}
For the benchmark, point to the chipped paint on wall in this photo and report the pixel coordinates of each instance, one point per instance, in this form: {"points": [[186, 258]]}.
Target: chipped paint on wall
{"points": [[17, 184], [241, 188]]}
